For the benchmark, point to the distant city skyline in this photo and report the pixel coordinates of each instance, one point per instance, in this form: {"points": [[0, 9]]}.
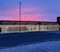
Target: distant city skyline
{"points": [[31, 10]]}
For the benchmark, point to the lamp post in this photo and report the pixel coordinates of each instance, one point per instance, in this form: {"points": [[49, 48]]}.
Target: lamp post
{"points": [[19, 16], [39, 25], [20, 12]]}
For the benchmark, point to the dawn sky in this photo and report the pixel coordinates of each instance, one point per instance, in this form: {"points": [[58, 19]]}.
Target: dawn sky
{"points": [[31, 10]]}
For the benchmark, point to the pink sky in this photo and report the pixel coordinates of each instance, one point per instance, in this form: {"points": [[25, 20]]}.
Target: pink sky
{"points": [[27, 14], [32, 10], [13, 14]]}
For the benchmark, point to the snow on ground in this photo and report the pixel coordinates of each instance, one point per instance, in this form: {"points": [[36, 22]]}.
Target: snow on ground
{"points": [[52, 46]]}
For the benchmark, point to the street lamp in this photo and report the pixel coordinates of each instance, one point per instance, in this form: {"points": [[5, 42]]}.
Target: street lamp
{"points": [[19, 22]]}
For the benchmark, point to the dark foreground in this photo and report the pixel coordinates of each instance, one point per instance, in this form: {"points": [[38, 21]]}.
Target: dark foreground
{"points": [[30, 41]]}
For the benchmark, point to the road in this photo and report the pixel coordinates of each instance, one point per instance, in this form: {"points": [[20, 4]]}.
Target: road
{"points": [[15, 39]]}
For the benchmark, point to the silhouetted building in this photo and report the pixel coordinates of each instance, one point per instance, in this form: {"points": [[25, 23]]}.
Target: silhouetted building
{"points": [[58, 21]]}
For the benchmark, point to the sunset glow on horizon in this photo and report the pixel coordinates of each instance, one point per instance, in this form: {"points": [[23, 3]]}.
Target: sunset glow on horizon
{"points": [[36, 10]]}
